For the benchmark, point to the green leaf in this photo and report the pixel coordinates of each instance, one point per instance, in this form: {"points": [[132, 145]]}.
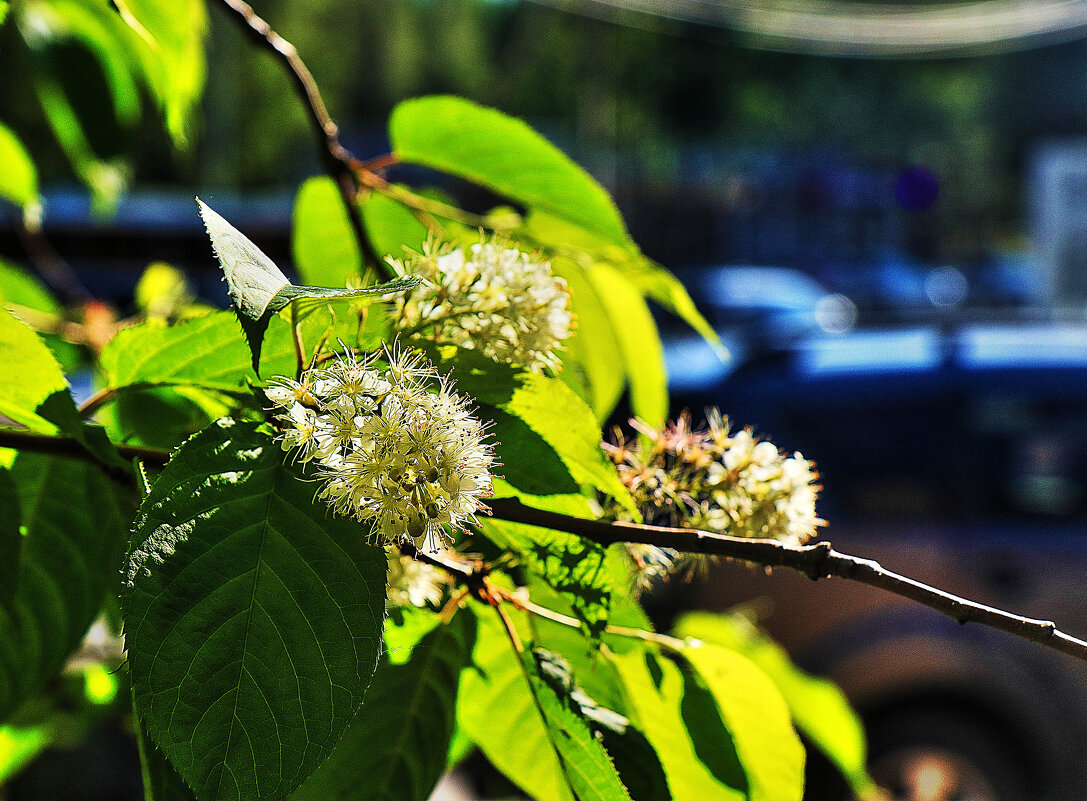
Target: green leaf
{"points": [[160, 781], [20, 288], [656, 283], [699, 764], [172, 34], [252, 617], [259, 289], [504, 154], [639, 343], [75, 525], [587, 767], [396, 747], [496, 681], [325, 250], [24, 355], [392, 226], [572, 566], [20, 744], [18, 176], [818, 707], [210, 352], [756, 715], [547, 437], [591, 359], [161, 417]]}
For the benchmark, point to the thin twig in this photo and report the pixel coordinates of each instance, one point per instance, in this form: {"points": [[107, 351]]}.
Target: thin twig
{"points": [[339, 163], [815, 561]]}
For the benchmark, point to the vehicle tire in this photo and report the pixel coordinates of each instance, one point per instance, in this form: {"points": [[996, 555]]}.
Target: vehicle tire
{"points": [[935, 754]]}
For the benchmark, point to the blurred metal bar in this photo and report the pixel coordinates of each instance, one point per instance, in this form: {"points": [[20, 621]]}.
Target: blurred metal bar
{"points": [[833, 27]]}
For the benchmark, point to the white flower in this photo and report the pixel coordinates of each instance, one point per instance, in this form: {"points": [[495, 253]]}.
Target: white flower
{"points": [[389, 451], [413, 583], [493, 298]]}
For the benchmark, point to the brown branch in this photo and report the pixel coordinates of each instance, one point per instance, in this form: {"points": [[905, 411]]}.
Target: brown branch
{"points": [[71, 449], [815, 561], [339, 163]]}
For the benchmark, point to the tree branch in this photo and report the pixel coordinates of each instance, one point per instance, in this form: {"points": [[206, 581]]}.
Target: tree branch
{"points": [[815, 561], [339, 163], [71, 449]]}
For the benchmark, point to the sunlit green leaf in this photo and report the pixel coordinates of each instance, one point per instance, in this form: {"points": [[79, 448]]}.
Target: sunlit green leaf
{"points": [[253, 617], [588, 768], [20, 744], [496, 681], [325, 250], [639, 342], [172, 34], [818, 707], [392, 227], [18, 175], [502, 153], [756, 716], [699, 761]]}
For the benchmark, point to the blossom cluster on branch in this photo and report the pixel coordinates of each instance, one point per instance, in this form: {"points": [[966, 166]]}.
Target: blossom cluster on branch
{"points": [[395, 447], [491, 297], [711, 479]]}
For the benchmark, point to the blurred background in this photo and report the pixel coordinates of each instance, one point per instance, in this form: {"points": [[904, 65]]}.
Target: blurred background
{"points": [[881, 208]]}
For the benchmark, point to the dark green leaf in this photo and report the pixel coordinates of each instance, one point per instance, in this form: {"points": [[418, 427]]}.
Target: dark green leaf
{"points": [[160, 781], [252, 616], [700, 763], [756, 716], [325, 250], [818, 707], [75, 525], [504, 154], [397, 745], [11, 540]]}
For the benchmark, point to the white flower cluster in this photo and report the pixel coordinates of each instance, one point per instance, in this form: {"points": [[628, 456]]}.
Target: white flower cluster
{"points": [[756, 491], [388, 450], [713, 480], [493, 298]]}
